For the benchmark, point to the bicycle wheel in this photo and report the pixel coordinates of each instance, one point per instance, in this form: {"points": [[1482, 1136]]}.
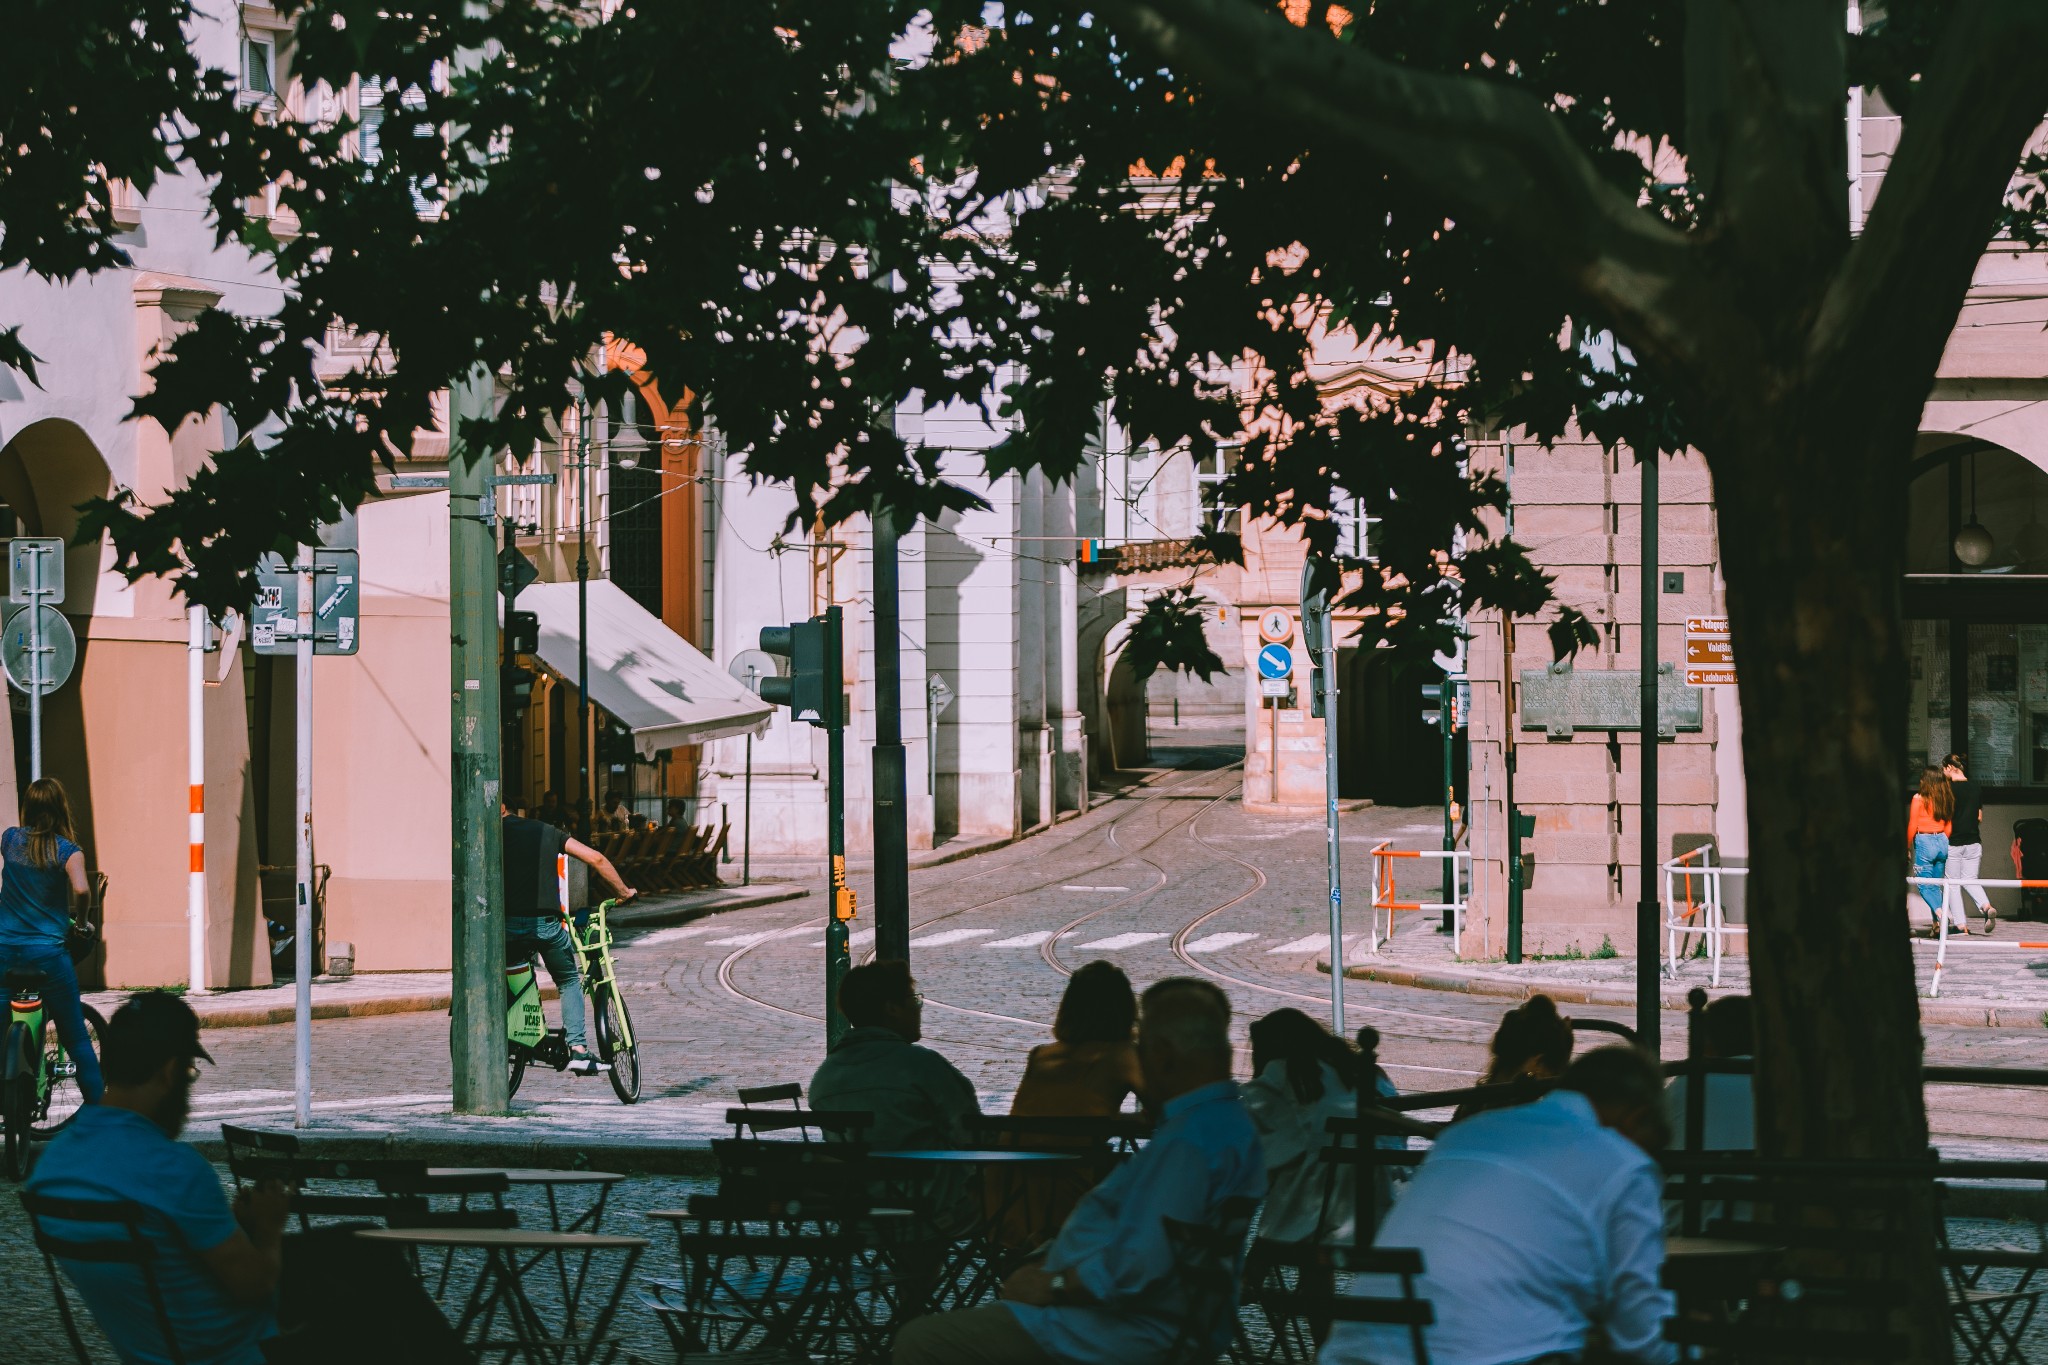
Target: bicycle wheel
{"points": [[63, 1098], [518, 1074], [15, 1096], [613, 1028]]}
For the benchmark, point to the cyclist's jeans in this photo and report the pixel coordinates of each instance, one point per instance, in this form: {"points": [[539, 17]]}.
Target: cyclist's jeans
{"points": [[60, 1001], [526, 935]]}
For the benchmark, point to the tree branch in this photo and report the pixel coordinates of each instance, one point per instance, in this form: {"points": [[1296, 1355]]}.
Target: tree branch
{"points": [[1494, 152], [1895, 296]]}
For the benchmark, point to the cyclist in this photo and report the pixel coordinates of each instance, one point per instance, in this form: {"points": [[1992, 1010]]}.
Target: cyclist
{"points": [[44, 874], [533, 916]]}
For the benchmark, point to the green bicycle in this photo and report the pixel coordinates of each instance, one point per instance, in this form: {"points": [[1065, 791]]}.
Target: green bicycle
{"points": [[39, 1088], [612, 1027]]}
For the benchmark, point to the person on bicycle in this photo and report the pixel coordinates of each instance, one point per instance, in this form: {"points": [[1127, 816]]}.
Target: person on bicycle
{"points": [[533, 915], [42, 873]]}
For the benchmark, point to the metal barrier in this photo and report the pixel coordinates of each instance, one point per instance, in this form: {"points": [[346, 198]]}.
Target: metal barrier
{"points": [[1383, 856], [1707, 916]]}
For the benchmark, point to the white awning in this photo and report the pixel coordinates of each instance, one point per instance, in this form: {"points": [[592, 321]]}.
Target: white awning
{"points": [[649, 678]]}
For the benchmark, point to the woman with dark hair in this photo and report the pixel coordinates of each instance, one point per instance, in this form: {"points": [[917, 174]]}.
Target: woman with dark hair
{"points": [[42, 874], [1533, 1041], [1092, 1062], [1302, 1076], [1929, 818]]}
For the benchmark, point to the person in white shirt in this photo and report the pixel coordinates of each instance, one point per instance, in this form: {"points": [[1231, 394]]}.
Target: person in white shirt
{"points": [[1541, 1228], [1729, 1125], [1302, 1076]]}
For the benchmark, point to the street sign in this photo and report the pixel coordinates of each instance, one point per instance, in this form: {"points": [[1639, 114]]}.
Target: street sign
{"points": [[515, 571], [749, 666], [1276, 661], [1276, 627], [337, 604], [1274, 687], [58, 649], [938, 693], [1709, 658], [25, 556]]}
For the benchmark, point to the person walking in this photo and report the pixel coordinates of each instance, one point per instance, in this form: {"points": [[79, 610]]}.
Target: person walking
{"points": [[1966, 848], [43, 877], [1928, 821]]}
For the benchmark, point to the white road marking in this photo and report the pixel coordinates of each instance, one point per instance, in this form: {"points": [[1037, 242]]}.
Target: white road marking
{"points": [[375, 1102], [1309, 944], [1216, 942], [747, 940], [1030, 940], [1095, 888], [859, 938], [949, 936], [674, 935], [1122, 941]]}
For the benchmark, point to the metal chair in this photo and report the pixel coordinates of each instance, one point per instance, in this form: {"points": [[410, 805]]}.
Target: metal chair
{"points": [[131, 1247], [1292, 1298], [1208, 1262]]}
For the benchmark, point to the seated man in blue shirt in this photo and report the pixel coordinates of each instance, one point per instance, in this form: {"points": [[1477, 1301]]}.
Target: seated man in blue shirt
{"points": [[217, 1264], [1540, 1227], [1104, 1290]]}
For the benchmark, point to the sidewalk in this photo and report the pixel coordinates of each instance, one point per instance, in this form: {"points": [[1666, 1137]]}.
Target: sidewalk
{"points": [[368, 993], [1988, 982]]}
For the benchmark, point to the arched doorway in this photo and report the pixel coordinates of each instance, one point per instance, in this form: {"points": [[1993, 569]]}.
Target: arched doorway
{"points": [[1976, 607]]}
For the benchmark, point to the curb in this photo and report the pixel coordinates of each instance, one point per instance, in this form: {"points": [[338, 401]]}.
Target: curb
{"points": [[625, 1158], [1945, 1012], [422, 1002]]}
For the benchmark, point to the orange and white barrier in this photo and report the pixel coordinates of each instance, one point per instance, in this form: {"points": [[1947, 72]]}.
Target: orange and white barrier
{"points": [[1952, 888], [1384, 858]]}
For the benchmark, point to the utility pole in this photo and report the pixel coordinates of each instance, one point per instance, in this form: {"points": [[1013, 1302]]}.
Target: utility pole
{"points": [[477, 911], [838, 957], [1319, 583], [302, 931], [892, 829], [1648, 992], [195, 780]]}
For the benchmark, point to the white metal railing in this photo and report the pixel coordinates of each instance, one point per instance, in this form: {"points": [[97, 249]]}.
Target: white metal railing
{"points": [[1383, 856], [1706, 915]]}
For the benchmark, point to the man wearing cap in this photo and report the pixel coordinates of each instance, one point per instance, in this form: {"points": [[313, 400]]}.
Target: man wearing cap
{"points": [[217, 1264]]}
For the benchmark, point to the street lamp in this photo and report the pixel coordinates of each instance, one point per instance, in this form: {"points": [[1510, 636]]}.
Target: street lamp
{"points": [[629, 443]]}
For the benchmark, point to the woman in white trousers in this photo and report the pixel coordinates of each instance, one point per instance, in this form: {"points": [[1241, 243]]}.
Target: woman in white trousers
{"points": [[1966, 850]]}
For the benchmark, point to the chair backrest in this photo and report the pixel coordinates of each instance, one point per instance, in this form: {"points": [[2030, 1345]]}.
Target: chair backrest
{"points": [[846, 1125], [771, 1094], [132, 1247], [1208, 1259]]}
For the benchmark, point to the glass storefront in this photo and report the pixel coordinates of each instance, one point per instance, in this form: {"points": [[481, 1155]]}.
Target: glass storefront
{"points": [[2004, 681]]}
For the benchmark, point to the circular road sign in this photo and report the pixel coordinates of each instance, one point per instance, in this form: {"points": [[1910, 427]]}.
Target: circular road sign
{"points": [[752, 665], [59, 650], [1276, 661], [1276, 626]]}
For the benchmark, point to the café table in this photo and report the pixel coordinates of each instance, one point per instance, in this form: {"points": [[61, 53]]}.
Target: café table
{"points": [[598, 1183], [500, 1289], [1002, 1181]]}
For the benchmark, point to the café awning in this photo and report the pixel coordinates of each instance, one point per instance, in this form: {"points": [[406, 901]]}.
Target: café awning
{"points": [[650, 679]]}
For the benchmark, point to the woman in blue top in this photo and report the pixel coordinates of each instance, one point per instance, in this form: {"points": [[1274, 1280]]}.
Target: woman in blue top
{"points": [[41, 871]]}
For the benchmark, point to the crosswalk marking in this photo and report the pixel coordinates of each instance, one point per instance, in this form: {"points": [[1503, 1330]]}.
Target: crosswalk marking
{"points": [[1122, 941], [1214, 942], [949, 936], [1095, 888], [1030, 940], [747, 940], [1309, 944], [859, 938]]}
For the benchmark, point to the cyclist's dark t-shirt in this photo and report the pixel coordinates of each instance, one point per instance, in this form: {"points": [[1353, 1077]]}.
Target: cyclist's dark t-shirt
{"points": [[1969, 811], [531, 848]]}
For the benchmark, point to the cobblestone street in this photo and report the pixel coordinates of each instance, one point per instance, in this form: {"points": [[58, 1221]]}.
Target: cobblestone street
{"points": [[1168, 876]]}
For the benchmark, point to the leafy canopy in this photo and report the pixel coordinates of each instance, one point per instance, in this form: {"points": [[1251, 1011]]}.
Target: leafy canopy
{"points": [[805, 212]]}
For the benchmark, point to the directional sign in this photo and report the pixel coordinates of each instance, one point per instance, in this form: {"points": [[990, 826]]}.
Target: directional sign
{"points": [[1709, 658], [39, 666], [35, 569], [1276, 661], [1276, 627]]}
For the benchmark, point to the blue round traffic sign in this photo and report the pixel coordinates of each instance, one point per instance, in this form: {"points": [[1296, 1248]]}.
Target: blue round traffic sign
{"points": [[1276, 661]]}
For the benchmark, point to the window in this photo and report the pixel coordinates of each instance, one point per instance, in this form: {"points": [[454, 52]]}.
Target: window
{"points": [[1927, 674], [370, 120], [259, 68], [2003, 677], [1210, 472], [1354, 528]]}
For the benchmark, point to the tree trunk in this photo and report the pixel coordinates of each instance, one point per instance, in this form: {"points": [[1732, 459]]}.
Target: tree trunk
{"points": [[1812, 511]]}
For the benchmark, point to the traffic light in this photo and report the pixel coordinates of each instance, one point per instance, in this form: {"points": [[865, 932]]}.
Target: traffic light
{"points": [[813, 677], [1315, 689], [1432, 704], [522, 633]]}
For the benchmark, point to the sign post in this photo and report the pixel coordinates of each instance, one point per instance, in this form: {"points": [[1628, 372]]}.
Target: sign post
{"points": [[1320, 580], [35, 579], [1276, 666]]}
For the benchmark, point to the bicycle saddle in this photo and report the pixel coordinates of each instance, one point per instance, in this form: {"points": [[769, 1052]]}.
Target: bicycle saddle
{"points": [[25, 979]]}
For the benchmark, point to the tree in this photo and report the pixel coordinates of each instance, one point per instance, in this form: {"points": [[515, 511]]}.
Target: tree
{"points": [[1627, 218]]}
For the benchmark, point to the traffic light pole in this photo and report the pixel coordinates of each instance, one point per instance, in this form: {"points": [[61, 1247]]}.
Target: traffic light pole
{"points": [[1648, 992], [892, 830], [837, 955], [1447, 723], [477, 1035]]}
